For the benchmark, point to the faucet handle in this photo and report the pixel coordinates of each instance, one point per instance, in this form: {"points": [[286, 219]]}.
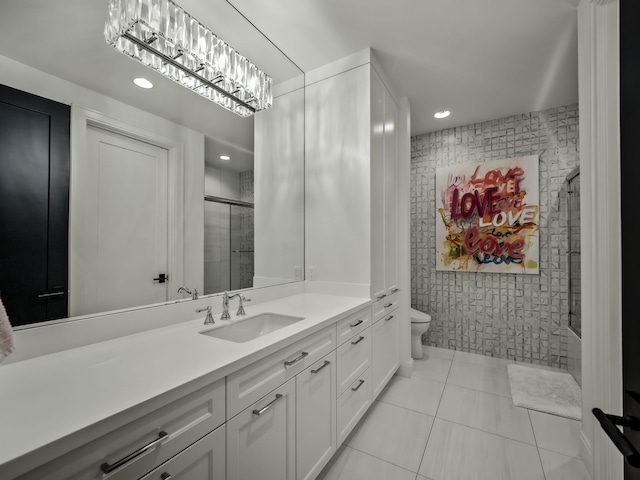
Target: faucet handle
{"points": [[242, 299], [209, 318]]}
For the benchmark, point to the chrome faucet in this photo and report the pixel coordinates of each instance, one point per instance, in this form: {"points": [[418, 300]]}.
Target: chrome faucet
{"points": [[209, 318], [194, 294], [225, 304]]}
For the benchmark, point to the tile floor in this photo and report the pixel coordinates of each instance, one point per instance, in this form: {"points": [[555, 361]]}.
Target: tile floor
{"points": [[454, 420]]}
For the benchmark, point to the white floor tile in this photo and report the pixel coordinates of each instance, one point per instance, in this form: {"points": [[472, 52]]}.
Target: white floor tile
{"points": [[486, 411], [393, 434], [420, 477], [483, 360], [560, 467], [433, 368], [479, 377], [415, 393], [351, 464], [543, 367], [438, 352], [557, 434], [463, 453]]}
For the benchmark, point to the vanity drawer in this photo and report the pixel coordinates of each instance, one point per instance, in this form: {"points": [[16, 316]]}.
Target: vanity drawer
{"points": [[251, 383], [354, 357], [183, 422], [352, 405], [354, 323], [383, 307], [204, 460]]}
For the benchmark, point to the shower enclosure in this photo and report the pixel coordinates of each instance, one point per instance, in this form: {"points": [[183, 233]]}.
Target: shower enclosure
{"points": [[228, 244], [574, 348], [573, 213]]}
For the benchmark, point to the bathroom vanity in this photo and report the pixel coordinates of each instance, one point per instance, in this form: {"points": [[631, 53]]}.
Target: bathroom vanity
{"points": [[175, 403]]}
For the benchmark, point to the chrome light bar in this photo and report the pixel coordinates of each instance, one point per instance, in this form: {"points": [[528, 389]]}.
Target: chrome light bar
{"points": [[162, 36]]}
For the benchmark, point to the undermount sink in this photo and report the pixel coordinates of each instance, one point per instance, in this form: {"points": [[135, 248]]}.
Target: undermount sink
{"points": [[241, 331]]}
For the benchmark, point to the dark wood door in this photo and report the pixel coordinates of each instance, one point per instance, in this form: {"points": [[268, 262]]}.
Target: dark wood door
{"points": [[34, 206], [630, 166]]}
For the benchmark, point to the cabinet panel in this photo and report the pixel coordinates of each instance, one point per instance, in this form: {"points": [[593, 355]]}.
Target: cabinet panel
{"points": [[353, 404], [354, 357], [261, 439], [315, 417], [390, 202], [204, 460], [377, 186], [251, 383], [354, 323], [184, 421], [384, 352]]}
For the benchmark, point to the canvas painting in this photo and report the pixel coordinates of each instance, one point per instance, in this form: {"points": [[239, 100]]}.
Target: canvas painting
{"points": [[488, 216]]}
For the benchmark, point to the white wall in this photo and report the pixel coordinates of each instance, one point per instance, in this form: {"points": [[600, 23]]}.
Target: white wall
{"points": [[278, 189]]}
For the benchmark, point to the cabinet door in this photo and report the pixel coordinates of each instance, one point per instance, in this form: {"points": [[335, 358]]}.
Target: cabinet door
{"points": [[377, 187], [204, 460], [390, 227], [385, 351], [261, 438], [315, 417]]}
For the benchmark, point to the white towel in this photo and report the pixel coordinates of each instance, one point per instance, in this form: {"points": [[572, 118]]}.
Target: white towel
{"points": [[7, 340]]}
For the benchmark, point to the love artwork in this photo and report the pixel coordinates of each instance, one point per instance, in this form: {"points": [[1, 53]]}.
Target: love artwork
{"points": [[487, 216]]}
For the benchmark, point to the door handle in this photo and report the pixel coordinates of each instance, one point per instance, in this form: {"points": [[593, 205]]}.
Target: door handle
{"points": [[163, 277], [608, 423]]}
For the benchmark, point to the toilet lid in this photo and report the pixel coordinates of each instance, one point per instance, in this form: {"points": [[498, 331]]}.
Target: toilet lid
{"points": [[419, 317]]}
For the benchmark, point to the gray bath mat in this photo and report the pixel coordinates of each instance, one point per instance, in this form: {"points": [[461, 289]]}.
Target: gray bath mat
{"points": [[545, 391]]}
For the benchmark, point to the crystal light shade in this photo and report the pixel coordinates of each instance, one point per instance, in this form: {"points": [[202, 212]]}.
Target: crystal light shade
{"points": [[162, 36]]}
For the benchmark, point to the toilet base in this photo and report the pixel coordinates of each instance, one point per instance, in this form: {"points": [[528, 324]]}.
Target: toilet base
{"points": [[416, 346]]}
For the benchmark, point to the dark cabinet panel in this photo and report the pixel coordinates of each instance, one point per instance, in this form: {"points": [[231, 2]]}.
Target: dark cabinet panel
{"points": [[34, 206]]}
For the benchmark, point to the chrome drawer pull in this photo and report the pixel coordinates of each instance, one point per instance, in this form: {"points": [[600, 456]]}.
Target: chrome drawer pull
{"points": [[288, 363], [388, 305], [359, 385], [358, 340], [388, 318], [165, 476], [354, 325], [394, 290], [106, 468], [268, 405], [326, 362], [380, 297]]}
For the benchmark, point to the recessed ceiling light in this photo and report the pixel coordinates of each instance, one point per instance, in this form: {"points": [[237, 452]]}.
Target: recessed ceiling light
{"points": [[225, 157], [442, 114], [143, 82]]}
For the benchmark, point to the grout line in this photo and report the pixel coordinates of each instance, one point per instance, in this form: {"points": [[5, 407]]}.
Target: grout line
{"points": [[537, 446], [489, 433], [383, 460]]}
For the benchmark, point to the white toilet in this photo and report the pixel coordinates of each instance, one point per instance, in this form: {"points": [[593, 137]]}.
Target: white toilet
{"points": [[419, 325]]}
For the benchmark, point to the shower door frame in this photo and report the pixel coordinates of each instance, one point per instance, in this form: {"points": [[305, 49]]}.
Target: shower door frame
{"points": [[570, 178]]}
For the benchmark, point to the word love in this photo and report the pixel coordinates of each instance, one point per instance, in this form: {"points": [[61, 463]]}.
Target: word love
{"points": [[472, 203], [473, 242]]}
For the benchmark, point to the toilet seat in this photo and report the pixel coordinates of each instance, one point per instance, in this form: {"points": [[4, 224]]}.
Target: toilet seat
{"points": [[419, 317]]}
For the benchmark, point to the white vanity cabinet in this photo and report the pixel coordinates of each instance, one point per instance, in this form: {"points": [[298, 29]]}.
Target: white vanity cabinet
{"points": [[315, 417], [385, 358], [261, 440]]}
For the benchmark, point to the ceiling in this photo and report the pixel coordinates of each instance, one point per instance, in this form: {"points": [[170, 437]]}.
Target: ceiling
{"points": [[481, 59]]}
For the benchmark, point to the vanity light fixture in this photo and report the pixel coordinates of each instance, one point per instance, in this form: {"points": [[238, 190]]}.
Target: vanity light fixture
{"points": [[225, 157], [142, 82], [442, 114], [162, 36]]}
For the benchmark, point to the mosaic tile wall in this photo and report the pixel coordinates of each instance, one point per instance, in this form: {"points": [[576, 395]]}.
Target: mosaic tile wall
{"points": [[247, 231], [514, 316]]}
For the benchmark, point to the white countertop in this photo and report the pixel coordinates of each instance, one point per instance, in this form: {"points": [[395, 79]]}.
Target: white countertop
{"points": [[80, 394]]}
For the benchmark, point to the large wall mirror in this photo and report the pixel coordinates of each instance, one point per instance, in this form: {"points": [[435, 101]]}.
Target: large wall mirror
{"points": [[178, 187]]}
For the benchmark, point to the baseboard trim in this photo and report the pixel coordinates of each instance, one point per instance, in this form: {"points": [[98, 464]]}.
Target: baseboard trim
{"points": [[406, 368]]}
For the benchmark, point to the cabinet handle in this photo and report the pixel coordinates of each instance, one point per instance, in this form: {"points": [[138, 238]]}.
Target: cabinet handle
{"points": [[288, 363], [380, 297], [106, 468], [268, 405], [388, 318], [358, 340], [53, 294], [359, 385], [326, 362], [388, 305], [354, 325], [165, 476], [394, 290]]}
